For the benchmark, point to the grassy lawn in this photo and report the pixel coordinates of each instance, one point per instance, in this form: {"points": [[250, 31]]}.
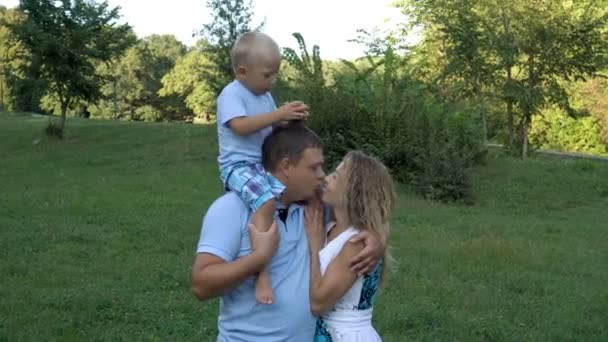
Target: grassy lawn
{"points": [[98, 233]]}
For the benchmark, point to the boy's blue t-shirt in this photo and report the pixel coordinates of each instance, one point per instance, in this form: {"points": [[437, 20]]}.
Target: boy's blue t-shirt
{"points": [[237, 101]]}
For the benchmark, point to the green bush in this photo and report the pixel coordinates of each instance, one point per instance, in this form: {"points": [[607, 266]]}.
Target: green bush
{"points": [[372, 105], [555, 130], [426, 144]]}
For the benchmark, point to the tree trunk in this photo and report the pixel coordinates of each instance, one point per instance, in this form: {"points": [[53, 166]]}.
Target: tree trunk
{"points": [[524, 137], [64, 109], [115, 116], [510, 120], [529, 108], [509, 66], [482, 109], [5, 60], [64, 100], [2, 94], [510, 111], [484, 122]]}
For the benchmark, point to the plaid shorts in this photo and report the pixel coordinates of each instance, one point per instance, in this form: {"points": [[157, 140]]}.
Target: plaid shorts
{"points": [[252, 183]]}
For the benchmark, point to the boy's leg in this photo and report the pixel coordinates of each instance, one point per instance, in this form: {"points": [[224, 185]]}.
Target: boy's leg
{"points": [[253, 186], [262, 219]]}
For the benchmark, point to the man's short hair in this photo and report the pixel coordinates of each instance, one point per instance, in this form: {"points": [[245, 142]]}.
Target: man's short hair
{"points": [[288, 142], [247, 45]]}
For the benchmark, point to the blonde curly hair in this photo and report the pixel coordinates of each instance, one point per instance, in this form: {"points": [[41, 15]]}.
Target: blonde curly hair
{"points": [[369, 197]]}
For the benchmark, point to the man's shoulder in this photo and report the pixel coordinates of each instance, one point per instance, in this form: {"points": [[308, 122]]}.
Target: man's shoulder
{"points": [[230, 204]]}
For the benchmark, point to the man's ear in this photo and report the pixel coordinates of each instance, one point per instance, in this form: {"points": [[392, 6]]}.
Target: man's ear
{"points": [[284, 167]]}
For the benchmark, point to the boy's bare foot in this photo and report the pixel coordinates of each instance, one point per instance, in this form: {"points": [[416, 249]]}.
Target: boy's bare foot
{"points": [[263, 290]]}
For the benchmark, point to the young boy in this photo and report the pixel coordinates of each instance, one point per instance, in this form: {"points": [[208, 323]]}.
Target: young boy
{"points": [[246, 113]]}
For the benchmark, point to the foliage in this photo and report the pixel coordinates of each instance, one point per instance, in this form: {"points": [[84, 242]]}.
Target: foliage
{"points": [[230, 19], [555, 129], [187, 79], [133, 82], [67, 36], [427, 143], [14, 58], [483, 42]]}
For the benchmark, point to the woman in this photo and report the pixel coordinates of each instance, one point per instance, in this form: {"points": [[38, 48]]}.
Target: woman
{"points": [[361, 194]]}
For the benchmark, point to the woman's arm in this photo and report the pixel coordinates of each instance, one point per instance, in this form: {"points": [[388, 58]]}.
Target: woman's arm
{"points": [[326, 290]]}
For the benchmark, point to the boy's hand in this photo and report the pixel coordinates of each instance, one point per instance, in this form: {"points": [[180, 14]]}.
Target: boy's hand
{"points": [[296, 110], [282, 123]]}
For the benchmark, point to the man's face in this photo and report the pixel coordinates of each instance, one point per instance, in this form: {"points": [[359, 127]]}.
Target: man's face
{"points": [[305, 177]]}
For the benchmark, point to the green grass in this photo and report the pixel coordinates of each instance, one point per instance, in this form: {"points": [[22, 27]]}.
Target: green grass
{"points": [[98, 233]]}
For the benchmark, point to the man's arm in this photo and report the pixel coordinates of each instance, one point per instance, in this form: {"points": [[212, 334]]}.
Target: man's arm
{"points": [[212, 276], [217, 267], [367, 259]]}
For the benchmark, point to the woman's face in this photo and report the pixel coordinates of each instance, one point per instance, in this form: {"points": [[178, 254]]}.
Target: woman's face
{"points": [[333, 191]]}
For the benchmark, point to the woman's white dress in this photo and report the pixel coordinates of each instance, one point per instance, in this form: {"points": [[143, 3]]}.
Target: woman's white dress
{"points": [[350, 320]]}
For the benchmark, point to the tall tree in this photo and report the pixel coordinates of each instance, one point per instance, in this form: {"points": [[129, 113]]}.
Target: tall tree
{"points": [[545, 41], [14, 58], [134, 80], [557, 40], [187, 80], [69, 36], [456, 30], [230, 19]]}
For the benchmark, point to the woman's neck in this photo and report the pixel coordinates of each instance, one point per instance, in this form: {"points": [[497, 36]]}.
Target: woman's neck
{"points": [[342, 223]]}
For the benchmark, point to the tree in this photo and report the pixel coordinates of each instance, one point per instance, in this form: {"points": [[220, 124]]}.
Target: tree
{"points": [[309, 68], [555, 41], [556, 130], [231, 18], [544, 41], [134, 80], [68, 36], [458, 31], [14, 58], [187, 80], [591, 98]]}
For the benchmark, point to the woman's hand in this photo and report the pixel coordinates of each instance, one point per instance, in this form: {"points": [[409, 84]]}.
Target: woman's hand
{"points": [[313, 220]]}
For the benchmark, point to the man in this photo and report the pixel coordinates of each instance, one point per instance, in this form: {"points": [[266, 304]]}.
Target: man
{"points": [[230, 252]]}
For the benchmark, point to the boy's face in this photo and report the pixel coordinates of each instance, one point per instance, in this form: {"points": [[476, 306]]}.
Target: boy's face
{"points": [[261, 73]]}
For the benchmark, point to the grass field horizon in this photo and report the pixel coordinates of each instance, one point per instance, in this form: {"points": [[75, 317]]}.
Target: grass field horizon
{"points": [[99, 232]]}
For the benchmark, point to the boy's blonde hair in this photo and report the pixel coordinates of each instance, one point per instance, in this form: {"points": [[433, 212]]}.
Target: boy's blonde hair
{"points": [[247, 45], [369, 197]]}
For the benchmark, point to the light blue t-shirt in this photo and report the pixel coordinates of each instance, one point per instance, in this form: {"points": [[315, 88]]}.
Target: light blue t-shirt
{"points": [[236, 101], [224, 234]]}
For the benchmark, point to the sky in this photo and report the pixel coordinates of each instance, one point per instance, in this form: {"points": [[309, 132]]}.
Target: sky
{"points": [[327, 23]]}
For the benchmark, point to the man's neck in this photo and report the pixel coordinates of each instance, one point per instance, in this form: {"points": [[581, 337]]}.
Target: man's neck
{"points": [[286, 199]]}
